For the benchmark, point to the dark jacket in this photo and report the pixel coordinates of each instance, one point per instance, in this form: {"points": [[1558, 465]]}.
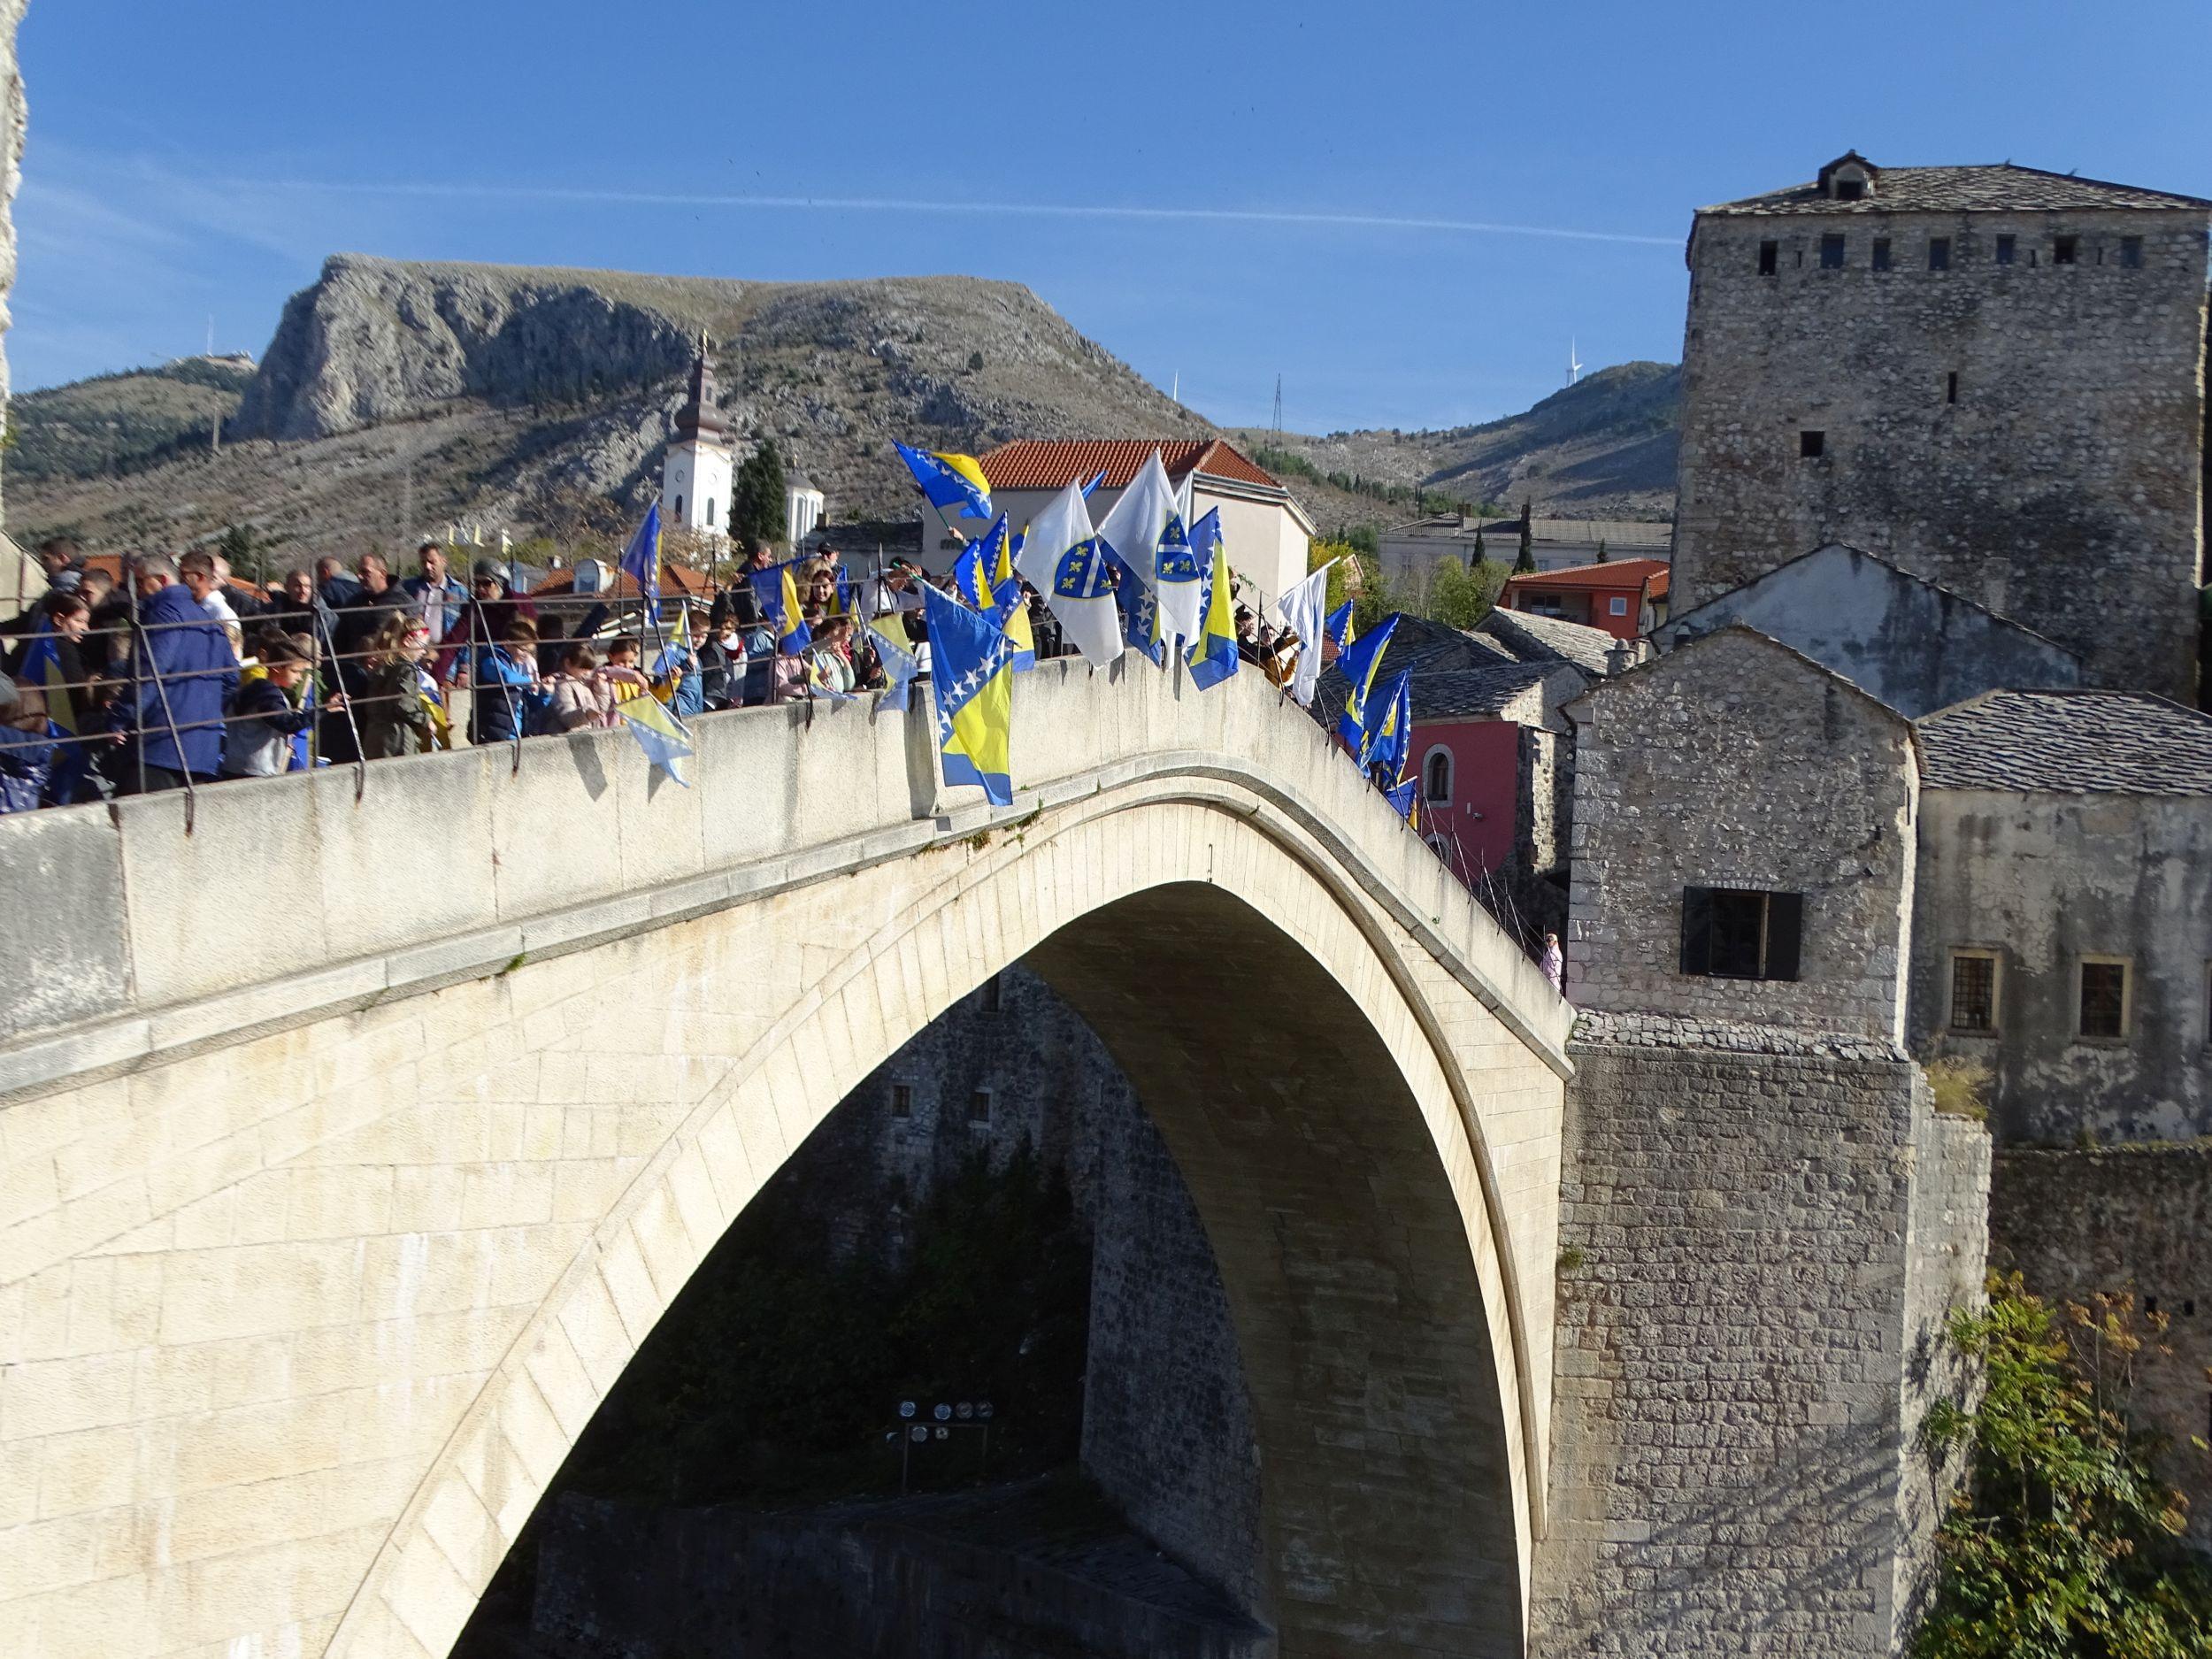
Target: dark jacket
{"points": [[358, 620], [263, 723], [199, 673], [506, 705]]}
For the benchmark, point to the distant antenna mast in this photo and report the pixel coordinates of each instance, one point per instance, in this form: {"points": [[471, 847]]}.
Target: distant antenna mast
{"points": [[1276, 426], [1574, 361], [1175, 393], [211, 334]]}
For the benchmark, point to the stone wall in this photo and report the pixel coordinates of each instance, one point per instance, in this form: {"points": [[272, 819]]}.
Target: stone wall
{"points": [[1760, 1234], [2043, 880], [1167, 1423], [2136, 1218], [1733, 762], [928, 1578], [2075, 446]]}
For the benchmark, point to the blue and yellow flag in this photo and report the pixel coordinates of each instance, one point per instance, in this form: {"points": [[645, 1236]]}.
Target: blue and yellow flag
{"points": [[1010, 609], [1213, 654], [1140, 608], [1389, 736], [949, 479], [1338, 626], [658, 732], [900, 664], [1361, 662], [975, 572], [778, 597], [971, 680], [1406, 799], [642, 557]]}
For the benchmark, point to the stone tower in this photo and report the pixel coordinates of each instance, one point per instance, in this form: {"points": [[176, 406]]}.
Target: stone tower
{"points": [[1990, 375], [696, 480]]}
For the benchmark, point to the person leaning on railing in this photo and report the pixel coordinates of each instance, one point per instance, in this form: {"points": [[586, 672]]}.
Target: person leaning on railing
{"points": [[267, 713], [397, 708]]}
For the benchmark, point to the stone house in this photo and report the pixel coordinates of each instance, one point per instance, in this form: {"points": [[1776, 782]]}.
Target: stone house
{"points": [[2061, 910], [1909, 642], [1743, 838], [1409, 552], [1994, 374]]}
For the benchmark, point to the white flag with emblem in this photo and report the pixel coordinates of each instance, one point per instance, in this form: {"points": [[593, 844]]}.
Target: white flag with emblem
{"points": [[1146, 529], [1302, 608], [1060, 557]]}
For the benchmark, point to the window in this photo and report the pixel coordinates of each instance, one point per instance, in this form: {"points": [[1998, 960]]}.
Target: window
{"points": [[979, 1107], [2064, 249], [1951, 387], [1831, 253], [1938, 253], [710, 510], [994, 995], [1974, 991], [1770, 256], [2104, 997], [1436, 778], [1881, 253], [1850, 189], [2131, 252], [1810, 444], [680, 507], [1734, 934], [902, 1100], [1619, 606], [2008, 247]]}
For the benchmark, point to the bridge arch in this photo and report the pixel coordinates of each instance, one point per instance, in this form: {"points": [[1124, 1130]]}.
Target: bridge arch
{"points": [[1375, 1165]]}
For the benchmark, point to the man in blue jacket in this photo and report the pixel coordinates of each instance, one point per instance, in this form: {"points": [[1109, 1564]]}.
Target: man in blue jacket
{"points": [[183, 673]]}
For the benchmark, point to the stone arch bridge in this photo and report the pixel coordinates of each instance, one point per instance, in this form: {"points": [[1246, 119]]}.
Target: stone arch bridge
{"points": [[348, 1151]]}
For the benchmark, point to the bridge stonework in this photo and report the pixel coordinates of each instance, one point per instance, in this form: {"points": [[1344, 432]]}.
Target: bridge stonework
{"points": [[351, 1149]]}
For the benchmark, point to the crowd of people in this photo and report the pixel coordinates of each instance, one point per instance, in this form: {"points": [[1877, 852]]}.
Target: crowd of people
{"points": [[183, 674]]}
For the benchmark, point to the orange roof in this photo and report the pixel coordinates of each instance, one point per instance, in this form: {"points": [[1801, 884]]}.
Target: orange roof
{"points": [[1032, 464], [1650, 575]]}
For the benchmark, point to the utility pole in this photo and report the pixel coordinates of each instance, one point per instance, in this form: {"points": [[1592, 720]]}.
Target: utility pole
{"points": [[1276, 426]]}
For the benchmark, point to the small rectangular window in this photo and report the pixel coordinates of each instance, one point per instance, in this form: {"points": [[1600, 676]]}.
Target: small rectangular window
{"points": [[1620, 606], [1737, 933], [1849, 189], [1938, 253], [2131, 252], [2008, 247], [902, 1100], [2065, 250], [1951, 387], [1811, 444], [2104, 997], [994, 996], [1769, 257], [1831, 252], [979, 1107], [1974, 991], [1881, 253]]}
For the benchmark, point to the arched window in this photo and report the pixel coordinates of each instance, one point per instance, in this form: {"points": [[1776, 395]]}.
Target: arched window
{"points": [[709, 512], [1436, 775], [679, 508]]}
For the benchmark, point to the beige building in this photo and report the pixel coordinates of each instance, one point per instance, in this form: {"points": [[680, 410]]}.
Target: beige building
{"points": [[1410, 551]]}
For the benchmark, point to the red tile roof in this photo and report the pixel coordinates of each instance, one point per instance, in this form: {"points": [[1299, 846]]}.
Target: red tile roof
{"points": [[1032, 464], [1648, 574]]}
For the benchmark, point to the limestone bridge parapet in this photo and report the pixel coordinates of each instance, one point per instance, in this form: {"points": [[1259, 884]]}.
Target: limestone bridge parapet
{"points": [[352, 1147]]}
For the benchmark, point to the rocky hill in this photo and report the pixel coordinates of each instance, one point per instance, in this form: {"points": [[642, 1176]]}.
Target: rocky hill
{"points": [[1603, 447], [396, 396], [122, 422]]}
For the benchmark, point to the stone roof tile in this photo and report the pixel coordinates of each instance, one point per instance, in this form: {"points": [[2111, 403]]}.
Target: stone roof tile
{"points": [[2000, 187], [2067, 742]]}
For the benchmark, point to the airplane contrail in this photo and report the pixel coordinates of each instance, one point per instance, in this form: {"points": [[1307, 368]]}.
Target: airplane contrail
{"points": [[890, 204]]}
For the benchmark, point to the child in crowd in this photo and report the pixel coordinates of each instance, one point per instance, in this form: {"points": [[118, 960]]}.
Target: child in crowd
{"points": [[270, 709], [510, 696], [581, 697]]}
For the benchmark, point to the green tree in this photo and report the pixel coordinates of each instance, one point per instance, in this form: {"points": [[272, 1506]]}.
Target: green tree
{"points": [[1481, 554], [1460, 597], [2071, 1547], [1526, 561], [239, 546], [757, 510], [1603, 554]]}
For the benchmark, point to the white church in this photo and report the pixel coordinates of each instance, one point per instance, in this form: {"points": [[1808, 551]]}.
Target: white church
{"points": [[697, 477]]}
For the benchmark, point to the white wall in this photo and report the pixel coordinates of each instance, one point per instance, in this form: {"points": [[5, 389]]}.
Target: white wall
{"points": [[699, 475]]}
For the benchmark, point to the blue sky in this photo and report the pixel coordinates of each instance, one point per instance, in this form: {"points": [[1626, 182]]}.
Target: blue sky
{"points": [[1405, 210]]}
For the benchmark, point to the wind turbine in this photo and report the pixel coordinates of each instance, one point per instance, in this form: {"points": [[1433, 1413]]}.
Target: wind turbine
{"points": [[1574, 363]]}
